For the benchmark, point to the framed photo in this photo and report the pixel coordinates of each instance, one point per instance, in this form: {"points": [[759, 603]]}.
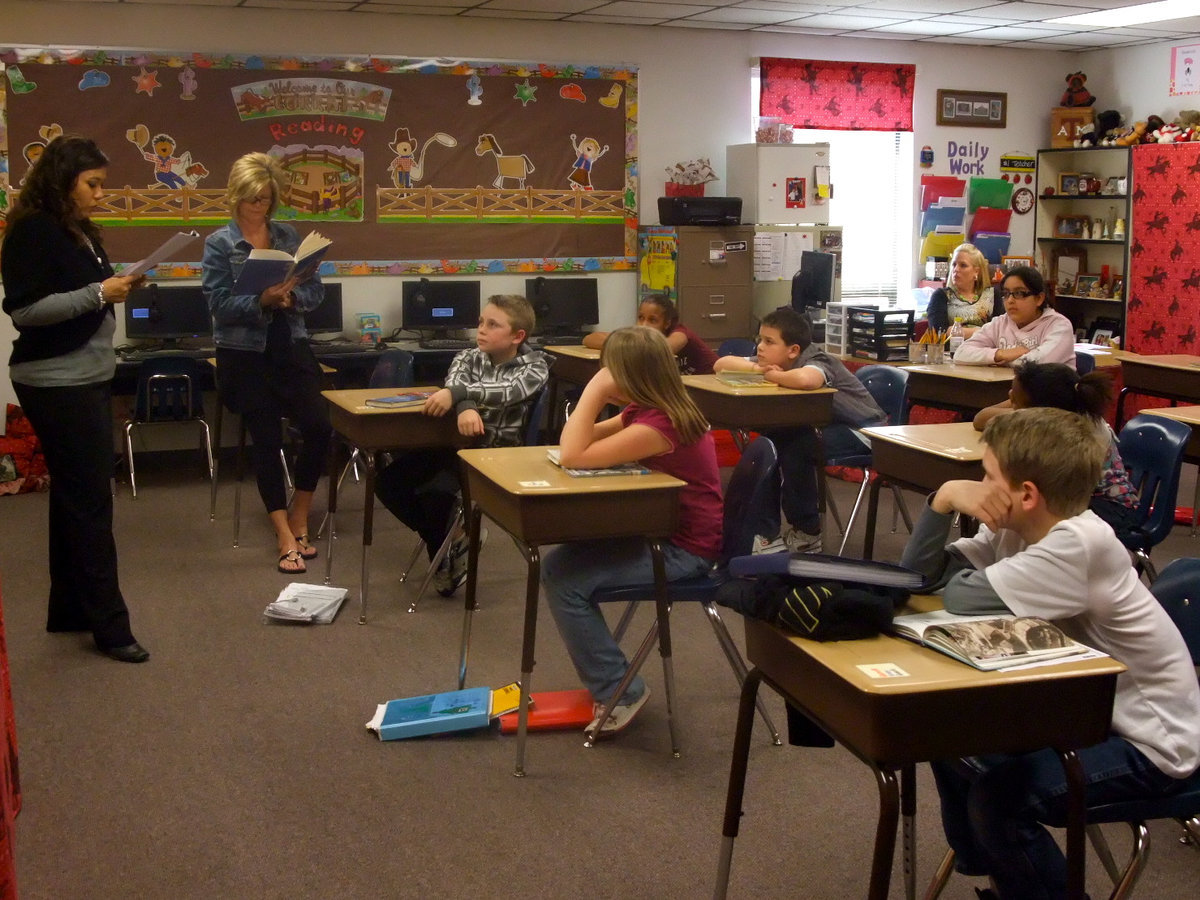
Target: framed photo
{"points": [[1008, 262], [1085, 284], [980, 109], [1116, 288], [1103, 337], [1081, 335], [1068, 183], [1113, 186], [1070, 226]]}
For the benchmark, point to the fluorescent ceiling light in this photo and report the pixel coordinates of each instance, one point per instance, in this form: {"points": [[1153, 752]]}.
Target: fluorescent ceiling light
{"points": [[1130, 15]]}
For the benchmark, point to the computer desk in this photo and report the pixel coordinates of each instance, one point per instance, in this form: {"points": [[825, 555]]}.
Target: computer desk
{"points": [[373, 431], [894, 703], [538, 503], [922, 458], [962, 389], [1173, 376], [742, 408]]}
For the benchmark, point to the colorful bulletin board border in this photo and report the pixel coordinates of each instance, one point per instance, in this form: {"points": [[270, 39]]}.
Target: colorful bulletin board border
{"points": [[411, 166]]}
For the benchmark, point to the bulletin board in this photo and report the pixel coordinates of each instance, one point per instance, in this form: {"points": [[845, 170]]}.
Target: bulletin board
{"points": [[409, 166]]}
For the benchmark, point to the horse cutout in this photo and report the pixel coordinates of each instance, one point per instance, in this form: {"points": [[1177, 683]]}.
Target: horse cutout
{"points": [[514, 167]]}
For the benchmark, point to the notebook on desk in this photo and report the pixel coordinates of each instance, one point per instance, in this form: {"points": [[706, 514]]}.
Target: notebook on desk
{"points": [[631, 468]]}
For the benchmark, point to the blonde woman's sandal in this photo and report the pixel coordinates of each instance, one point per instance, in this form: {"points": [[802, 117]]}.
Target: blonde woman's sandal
{"points": [[307, 550], [295, 561]]}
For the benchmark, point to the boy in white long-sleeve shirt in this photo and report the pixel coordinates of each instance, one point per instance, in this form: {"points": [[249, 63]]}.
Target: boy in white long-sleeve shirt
{"points": [[1041, 552], [1029, 330]]}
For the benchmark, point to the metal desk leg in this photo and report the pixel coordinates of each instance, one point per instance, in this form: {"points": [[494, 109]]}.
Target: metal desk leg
{"points": [[331, 510], [1076, 847], [532, 586], [368, 533], [908, 816], [663, 614], [464, 647], [872, 518], [218, 418], [737, 780], [885, 833]]}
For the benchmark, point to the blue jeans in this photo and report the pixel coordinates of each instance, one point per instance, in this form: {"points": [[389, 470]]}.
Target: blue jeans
{"points": [[799, 492], [992, 807], [571, 573]]}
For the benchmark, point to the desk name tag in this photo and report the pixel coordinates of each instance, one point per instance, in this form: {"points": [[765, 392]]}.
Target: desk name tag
{"points": [[883, 670], [533, 484]]}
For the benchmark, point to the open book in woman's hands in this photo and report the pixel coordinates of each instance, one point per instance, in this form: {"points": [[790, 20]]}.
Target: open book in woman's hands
{"points": [[264, 268], [988, 643]]}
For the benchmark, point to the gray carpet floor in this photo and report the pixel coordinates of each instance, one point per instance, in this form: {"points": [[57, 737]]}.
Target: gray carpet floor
{"points": [[236, 763]]}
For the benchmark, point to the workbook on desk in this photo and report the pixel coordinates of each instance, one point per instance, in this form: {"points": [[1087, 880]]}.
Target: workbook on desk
{"points": [[630, 468], [401, 400], [827, 567], [994, 642], [264, 268], [743, 379]]}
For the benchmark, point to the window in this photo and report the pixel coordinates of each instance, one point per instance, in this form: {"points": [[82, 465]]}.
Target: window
{"points": [[871, 174]]}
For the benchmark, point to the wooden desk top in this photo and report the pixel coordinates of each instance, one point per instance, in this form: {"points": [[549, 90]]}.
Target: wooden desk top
{"points": [[1181, 361], [354, 401], [953, 440], [1188, 414], [966, 373], [374, 429], [714, 385], [526, 471], [576, 350]]}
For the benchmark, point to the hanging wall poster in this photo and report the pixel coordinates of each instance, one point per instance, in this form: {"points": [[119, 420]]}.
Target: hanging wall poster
{"points": [[410, 166], [1185, 70]]}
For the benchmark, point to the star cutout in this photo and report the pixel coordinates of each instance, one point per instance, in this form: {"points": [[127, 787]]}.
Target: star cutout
{"points": [[146, 81], [525, 92]]}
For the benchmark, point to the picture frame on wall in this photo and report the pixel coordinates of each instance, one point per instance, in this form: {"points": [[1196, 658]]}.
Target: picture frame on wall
{"points": [[977, 109], [1068, 183], [1071, 226]]}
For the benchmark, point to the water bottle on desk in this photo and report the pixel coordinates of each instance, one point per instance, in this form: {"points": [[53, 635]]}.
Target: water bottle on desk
{"points": [[956, 336]]}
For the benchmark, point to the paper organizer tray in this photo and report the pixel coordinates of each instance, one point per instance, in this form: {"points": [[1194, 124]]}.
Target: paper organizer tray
{"points": [[879, 334]]}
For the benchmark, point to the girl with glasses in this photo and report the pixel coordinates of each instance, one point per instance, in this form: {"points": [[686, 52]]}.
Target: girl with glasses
{"points": [[1028, 331]]}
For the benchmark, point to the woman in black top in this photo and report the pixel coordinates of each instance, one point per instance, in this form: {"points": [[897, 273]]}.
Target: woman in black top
{"points": [[59, 290]]}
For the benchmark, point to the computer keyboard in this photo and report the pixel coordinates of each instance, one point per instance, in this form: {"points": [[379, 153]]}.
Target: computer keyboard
{"points": [[563, 340], [174, 352], [324, 348], [446, 344]]}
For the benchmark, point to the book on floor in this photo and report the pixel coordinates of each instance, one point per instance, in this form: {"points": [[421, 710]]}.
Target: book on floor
{"points": [[988, 642], [264, 268], [506, 699], [306, 604], [827, 567], [630, 468], [552, 710], [401, 400], [432, 714]]}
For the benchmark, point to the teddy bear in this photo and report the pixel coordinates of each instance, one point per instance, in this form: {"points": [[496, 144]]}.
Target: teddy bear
{"points": [[1168, 134], [1076, 93], [1153, 123], [1132, 136]]}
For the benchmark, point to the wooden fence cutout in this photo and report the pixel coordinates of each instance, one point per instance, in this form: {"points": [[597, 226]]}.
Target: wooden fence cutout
{"points": [[487, 204]]}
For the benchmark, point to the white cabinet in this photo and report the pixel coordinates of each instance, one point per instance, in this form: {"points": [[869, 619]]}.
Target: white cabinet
{"points": [[778, 183]]}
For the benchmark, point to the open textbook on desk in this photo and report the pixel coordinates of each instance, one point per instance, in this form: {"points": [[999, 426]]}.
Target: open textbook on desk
{"points": [[631, 468], [988, 643], [264, 268]]}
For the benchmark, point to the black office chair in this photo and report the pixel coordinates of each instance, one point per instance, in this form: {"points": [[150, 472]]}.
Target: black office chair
{"points": [[750, 482], [1178, 590], [888, 385], [1152, 449], [168, 392]]}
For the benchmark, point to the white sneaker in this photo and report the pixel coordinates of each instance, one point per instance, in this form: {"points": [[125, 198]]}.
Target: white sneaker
{"points": [[621, 716], [801, 542], [452, 573], [768, 545]]}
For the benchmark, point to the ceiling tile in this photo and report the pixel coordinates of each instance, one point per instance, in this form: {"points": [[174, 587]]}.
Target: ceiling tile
{"points": [[562, 7]]}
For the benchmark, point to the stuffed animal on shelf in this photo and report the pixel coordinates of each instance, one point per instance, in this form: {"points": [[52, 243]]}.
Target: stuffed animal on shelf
{"points": [[1169, 134], [1086, 136], [1153, 123], [1077, 93], [1132, 136], [1189, 119]]}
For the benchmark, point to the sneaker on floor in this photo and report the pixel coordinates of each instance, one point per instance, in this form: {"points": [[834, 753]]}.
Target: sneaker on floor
{"points": [[621, 716], [768, 545], [802, 542], [452, 573]]}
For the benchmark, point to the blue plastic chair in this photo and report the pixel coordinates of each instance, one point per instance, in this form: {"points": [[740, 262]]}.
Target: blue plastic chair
{"points": [[888, 385], [749, 485], [1178, 590], [168, 393], [737, 347], [1152, 449]]}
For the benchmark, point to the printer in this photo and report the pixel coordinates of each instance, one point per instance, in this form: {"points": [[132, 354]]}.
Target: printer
{"points": [[700, 210]]}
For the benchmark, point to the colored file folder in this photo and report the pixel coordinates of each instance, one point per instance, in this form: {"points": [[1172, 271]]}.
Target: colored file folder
{"points": [[993, 192], [990, 221], [938, 215], [939, 245], [935, 187], [992, 246]]}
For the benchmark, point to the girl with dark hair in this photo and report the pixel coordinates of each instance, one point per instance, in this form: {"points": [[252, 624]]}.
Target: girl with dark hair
{"points": [[1115, 499], [657, 311], [60, 290], [1029, 330]]}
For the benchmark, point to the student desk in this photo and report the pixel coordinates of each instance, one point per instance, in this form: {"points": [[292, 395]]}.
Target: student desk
{"points": [[920, 457], [574, 364], [1190, 416], [538, 503], [1174, 376], [372, 431], [743, 408], [932, 707], [963, 389]]}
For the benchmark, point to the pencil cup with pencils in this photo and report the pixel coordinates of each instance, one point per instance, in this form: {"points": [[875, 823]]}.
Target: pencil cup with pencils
{"points": [[916, 351]]}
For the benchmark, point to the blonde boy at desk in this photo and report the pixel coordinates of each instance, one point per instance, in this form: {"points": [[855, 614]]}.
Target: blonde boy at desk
{"points": [[490, 390], [1041, 552], [788, 357]]}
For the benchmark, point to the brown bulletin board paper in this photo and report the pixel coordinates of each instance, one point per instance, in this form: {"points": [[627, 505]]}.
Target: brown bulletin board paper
{"points": [[464, 168], [1067, 122]]}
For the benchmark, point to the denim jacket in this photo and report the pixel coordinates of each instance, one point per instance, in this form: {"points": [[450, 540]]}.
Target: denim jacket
{"points": [[240, 321]]}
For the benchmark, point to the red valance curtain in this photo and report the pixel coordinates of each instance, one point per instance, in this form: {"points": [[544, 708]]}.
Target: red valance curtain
{"points": [[845, 96]]}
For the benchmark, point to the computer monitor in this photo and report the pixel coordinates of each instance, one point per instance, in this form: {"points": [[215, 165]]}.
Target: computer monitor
{"points": [[812, 286], [167, 313], [439, 306], [563, 305], [326, 318]]}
